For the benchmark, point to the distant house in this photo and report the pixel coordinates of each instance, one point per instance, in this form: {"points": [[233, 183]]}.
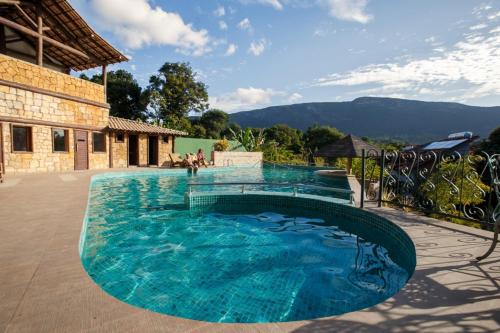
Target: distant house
{"points": [[456, 142], [51, 121]]}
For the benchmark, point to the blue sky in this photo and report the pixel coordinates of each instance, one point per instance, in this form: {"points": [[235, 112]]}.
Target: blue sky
{"points": [[256, 53]]}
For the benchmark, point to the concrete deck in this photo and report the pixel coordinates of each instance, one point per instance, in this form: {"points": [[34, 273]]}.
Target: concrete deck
{"points": [[44, 288]]}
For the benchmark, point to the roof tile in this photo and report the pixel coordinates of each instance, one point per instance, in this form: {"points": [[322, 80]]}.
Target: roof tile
{"points": [[127, 125]]}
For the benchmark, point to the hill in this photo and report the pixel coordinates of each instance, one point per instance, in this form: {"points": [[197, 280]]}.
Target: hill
{"points": [[380, 118]]}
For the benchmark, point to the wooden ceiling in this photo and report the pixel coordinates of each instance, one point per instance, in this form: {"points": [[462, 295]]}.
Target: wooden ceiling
{"points": [[63, 24]]}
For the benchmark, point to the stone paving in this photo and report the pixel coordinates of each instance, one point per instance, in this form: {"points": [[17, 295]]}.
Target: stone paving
{"points": [[44, 288]]}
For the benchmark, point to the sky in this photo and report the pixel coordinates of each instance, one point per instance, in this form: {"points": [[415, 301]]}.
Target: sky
{"points": [[257, 53]]}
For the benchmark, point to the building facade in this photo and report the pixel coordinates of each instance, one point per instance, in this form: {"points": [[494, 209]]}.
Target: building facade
{"points": [[52, 121]]}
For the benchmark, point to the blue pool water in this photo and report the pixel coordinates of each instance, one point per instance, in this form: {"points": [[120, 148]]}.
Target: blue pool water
{"points": [[143, 246]]}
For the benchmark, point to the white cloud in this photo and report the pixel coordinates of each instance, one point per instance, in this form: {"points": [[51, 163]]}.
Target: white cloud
{"points": [[472, 64], [276, 4], [231, 49], [243, 98], [139, 24], [295, 97], [478, 26], [349, 10], [431, 39], [133, 67], [220, 11], [258, 47], [494, 16], [245, 25], [222, 25]]}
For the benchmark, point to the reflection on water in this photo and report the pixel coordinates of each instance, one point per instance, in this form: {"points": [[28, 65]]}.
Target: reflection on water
{"points": [[143, 247]]}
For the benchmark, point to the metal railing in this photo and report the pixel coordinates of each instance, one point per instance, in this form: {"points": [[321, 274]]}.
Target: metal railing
{"points": [[295, 186], [451, 184]]}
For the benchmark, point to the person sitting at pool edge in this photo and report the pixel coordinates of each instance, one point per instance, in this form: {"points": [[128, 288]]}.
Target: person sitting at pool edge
{"points": [[201, 158], [191, 164]]}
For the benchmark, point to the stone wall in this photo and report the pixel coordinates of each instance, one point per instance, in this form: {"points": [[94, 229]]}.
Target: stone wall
{"points": [[79, 104], [120, 153], [229, 158], [43, 158], [143, 150], [163, 151], [19, 103], [98, 160], [22, 72]]}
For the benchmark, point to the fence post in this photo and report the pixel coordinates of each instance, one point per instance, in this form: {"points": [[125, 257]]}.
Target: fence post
{"points": [[363, 178], [381, 183]]}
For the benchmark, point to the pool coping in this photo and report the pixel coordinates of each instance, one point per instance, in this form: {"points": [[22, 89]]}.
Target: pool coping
{"points": [[45, 288]]}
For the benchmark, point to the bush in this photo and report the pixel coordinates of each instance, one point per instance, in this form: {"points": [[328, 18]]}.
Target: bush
{"points": [[221, 145]]}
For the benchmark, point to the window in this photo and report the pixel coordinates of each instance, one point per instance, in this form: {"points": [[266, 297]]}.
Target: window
{"points": [[120, 137], [22, 139], [99, 142], [60, 140], [165, 138]]}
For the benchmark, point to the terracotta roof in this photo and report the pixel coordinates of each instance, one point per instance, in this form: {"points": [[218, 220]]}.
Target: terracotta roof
{"points": [[126, 125], [67, 27], [349, 146]]}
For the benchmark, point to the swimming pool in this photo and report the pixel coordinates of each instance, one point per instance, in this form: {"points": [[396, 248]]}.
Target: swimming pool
{"points": [[244, 262]]}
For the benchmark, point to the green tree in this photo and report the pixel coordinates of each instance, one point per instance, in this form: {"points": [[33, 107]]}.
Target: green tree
{"points": [[492, 145], [198, 131], [177, 84], [214, 121], [286, 137], [125, 97], [317, 137], [232, 127]]}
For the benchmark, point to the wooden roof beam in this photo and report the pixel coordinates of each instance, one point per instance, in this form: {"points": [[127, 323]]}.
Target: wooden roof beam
{"points": [[10, 2], [23, 29]]}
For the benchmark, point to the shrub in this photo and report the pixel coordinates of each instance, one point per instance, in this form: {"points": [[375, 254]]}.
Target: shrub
{"points": [[221, 145]]}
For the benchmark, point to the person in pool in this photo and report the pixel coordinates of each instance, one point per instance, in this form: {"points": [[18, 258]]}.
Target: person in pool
{"points": [[201, 158]]}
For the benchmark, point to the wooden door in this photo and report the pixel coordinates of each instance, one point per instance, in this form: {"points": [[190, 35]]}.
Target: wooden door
{"points": [[81, 150]]}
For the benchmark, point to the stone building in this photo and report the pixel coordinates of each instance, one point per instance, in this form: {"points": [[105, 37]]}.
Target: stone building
{"points": [[52, 121]]}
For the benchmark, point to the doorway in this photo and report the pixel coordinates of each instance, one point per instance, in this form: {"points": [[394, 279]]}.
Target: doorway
{"points": [[153, 150], [133, 150], [81, 150]]}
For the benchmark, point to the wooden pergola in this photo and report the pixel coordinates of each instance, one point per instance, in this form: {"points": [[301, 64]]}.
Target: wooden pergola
{"points": [[57, 33]]}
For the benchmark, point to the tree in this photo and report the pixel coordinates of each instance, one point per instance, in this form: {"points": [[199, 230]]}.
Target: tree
{"points": [[230, 129], [125, 96], [177, 84], [317, 137], [214, 122], [492, 145], [198, 131], [286, 137]]}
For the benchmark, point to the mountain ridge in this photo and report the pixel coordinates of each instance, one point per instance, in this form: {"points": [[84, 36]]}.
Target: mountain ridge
{"points": [[380, 118]]}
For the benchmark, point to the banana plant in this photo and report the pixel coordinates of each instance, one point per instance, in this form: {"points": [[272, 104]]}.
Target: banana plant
{"points": [[248, 139]]}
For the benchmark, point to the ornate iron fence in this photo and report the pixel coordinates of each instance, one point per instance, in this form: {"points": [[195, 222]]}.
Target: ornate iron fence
{"points": [[444, 183]]}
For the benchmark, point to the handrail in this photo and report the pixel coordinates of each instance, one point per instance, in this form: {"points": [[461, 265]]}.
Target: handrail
{"points": [[295, 187]]}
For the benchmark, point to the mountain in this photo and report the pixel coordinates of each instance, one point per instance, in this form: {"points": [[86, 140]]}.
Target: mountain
{"points": [[380, 118]]}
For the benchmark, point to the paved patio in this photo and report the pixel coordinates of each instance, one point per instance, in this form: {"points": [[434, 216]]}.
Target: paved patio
{"points": [[44, 288]]}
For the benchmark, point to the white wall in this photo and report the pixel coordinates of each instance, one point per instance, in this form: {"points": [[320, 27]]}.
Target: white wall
{"points": [[234, 158]]}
